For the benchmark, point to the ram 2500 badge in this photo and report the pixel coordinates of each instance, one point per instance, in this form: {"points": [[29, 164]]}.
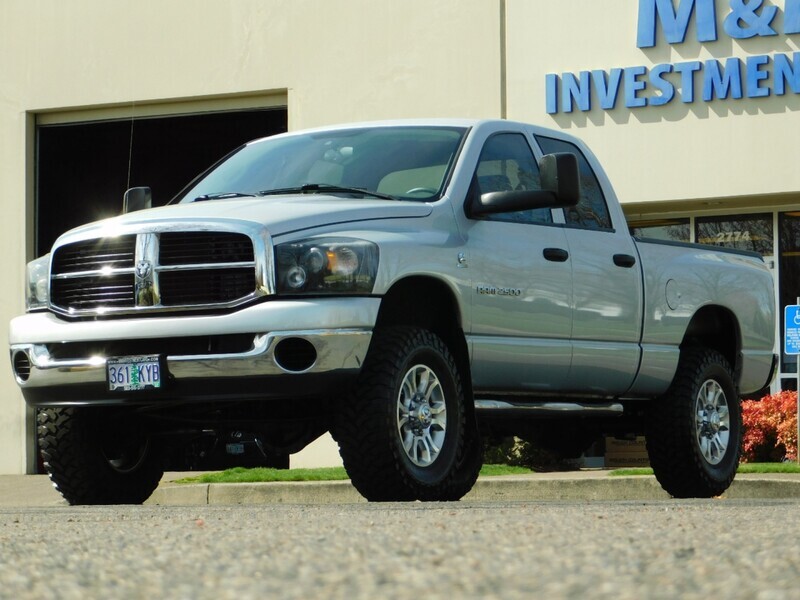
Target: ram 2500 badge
{"points": [[410, 287]]}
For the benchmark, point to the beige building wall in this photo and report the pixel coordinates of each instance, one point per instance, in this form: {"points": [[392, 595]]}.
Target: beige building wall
{"points": [[348, 60], [700, 152]]}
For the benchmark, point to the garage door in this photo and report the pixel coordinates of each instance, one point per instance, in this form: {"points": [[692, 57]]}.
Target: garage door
{"points": [[83, 169]]}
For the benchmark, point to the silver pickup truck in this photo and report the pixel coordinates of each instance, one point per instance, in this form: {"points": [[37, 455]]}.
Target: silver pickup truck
{"points": [[408, 286]]}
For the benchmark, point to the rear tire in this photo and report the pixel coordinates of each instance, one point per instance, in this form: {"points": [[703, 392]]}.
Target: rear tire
{"points": [[94, 459], [694, 432], [403, 433]]}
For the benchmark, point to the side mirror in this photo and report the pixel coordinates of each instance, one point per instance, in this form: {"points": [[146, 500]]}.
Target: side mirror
{"points": [[137, 198], [558, 174]]}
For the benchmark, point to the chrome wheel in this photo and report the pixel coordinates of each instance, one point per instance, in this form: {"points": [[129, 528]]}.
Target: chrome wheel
{"points": [[712, 422], [421, 415]]}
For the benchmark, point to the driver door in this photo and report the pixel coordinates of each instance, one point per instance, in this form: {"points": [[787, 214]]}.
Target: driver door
{"points": [[521, 281]]}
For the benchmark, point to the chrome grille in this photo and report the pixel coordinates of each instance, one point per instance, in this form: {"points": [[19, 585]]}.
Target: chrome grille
{"points": [[90, 255], [92, 292], [190, 247], [205, 286], [153, 271]]}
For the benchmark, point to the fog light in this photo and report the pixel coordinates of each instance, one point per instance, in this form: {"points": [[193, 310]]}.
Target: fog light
{"points": [[22, 366], [295, 354]]}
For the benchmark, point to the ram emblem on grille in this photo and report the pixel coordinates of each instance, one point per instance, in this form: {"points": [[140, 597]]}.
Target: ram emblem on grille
{"points": [[144, 284]]}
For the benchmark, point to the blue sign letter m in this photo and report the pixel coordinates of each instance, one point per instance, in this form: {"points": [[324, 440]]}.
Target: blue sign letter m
{"points": [[675, 21]]}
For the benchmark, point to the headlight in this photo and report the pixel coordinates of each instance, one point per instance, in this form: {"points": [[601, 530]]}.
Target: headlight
{"points": [[38, 279], [326, 266]]}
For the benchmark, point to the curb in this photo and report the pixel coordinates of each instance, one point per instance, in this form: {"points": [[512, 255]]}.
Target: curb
{"points": [[493, 489]]}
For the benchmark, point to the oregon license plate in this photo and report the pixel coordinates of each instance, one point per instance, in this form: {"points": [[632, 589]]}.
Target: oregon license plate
{"points": [[131, 373]]}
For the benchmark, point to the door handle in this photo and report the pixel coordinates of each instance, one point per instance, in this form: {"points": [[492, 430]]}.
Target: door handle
{"points": [[555, 254], [624, 260]]}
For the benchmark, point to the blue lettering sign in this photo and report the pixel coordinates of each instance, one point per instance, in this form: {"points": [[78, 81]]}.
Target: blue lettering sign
{"points": [[576, 90], [744, 22], [664, 86], [787, 72], [687, 71], [675, 21], [551, 88], [633, 85], [722, 79], [722, 84], [755, 76], [607, 89], [791, 17]]}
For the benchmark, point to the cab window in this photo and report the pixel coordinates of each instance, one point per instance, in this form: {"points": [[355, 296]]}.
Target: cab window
{"points": [[591, 211], [507, 163]]}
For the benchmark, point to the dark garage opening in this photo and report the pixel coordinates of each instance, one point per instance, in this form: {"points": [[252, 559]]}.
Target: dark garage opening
{"points": [[83, 169]]}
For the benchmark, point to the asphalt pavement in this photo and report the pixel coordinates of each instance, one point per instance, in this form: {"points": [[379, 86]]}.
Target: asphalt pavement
{"points": [[681, 549], [589, 484]]}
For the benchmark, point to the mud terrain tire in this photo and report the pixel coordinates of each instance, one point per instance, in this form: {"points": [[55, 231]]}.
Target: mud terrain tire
{"points": [[694, 432], [403, 433], [94, 460]]}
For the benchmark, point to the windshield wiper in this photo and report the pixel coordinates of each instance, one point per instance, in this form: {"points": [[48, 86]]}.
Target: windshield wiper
{"points": [[222, 196], [324, 188]]}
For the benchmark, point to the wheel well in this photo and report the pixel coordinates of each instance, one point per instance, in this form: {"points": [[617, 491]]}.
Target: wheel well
{"points": [[431, 304], [715, 327]]}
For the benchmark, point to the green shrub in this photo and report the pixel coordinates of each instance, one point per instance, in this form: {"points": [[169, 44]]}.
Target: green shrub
{"points": [[517, 452]]}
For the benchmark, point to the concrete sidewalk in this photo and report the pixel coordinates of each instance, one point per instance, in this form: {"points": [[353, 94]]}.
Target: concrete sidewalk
{"points": [[586, 485]]}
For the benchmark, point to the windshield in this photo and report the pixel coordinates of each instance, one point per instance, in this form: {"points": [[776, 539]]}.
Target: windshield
{"points": [[403, 162]]}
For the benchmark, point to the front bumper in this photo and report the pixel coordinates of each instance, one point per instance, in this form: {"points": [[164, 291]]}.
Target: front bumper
{"points": [[332, 335]]}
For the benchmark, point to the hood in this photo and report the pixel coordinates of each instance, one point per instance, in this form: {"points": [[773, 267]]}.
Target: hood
{"points": [[279, 215]]}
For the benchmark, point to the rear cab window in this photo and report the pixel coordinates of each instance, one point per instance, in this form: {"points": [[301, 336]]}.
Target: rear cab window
{"points": [[591, 211]]}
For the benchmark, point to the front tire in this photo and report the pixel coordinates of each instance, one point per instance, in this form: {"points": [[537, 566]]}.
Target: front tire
{"points": [[93, 458], [694, 432], [403, 433]]}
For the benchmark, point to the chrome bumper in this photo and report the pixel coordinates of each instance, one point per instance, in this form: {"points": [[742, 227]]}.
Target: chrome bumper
{"points": [[332, 333], [342, 349]]}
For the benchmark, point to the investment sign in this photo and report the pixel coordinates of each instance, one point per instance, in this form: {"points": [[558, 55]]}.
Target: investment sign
{"points": [[690, 81]]}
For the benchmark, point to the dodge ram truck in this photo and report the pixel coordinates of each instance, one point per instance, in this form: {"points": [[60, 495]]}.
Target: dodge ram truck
{"points": [[410, 287]]}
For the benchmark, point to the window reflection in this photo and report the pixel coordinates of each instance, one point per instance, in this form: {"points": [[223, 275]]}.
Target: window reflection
{"points": [[671, 230], [742, 232], [591, 211]]}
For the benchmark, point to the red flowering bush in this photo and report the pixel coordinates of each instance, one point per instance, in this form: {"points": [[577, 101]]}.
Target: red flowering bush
{"points": [[770, 428]]}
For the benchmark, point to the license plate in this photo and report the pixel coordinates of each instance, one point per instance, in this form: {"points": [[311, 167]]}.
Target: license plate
{"points": [[131, 373], [234, 448]]}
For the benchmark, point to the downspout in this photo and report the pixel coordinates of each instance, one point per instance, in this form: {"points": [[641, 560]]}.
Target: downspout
{"points": [[503, 62]]}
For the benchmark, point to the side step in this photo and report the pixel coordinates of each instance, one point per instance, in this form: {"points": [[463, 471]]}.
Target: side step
{"points": [[488, 408]]}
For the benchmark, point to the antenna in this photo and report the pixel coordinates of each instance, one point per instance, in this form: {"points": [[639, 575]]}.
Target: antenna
{"points": [[130, 147]]}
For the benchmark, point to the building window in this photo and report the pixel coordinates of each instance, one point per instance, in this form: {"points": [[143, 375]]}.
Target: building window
{"points": [[671, 230], [742, 232]]}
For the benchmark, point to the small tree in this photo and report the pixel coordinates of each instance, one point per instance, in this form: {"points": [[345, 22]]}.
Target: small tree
{"points": [[770, 428]]}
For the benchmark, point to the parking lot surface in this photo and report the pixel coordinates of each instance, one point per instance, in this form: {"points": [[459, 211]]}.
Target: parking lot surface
{"points": [[546, 549]]}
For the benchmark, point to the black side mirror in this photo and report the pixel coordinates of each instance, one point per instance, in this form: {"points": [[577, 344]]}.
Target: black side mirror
{"points": [[137, 198], [560, 189], [559, 175]]}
